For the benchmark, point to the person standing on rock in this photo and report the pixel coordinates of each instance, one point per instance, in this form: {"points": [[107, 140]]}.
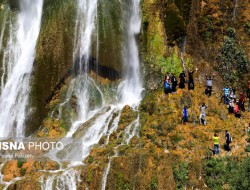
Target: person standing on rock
{"points": [[237, 112], [226, 94], [184, 115], [216, 144], [228, 141], [203, 108], [182, 80], [174, 83], [242, 102], [191, 79], [167, 87], [209, 79]]}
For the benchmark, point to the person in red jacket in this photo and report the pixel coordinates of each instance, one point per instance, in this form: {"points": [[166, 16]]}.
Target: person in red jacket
{"points": [[237, 110], [242, 102]]}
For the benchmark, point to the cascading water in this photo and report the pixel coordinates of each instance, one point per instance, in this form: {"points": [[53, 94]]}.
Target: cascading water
{"points": [[85, 26], [92, 124], [131, 87], [17, 64]]}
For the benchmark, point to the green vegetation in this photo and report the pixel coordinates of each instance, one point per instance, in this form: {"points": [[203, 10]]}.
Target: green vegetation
{"points": [[240, 177], [233, 61], [176, 19], [121, 182], [219, 172], [247, 28], [20, 162], [23, 171], [171, 64], [90, 175], [248, 148], [154, 183], [181, 175], [176, 138], [90, 159]]}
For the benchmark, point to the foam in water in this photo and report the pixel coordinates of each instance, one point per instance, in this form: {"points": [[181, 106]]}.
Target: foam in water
{"points": [[21, 53]]}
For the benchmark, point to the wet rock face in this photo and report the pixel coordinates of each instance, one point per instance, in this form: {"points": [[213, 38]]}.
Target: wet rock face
{"points": [[96, 67], [53, 55], [14, 4]]}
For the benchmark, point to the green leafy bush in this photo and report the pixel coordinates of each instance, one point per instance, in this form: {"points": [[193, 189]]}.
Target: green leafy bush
{"points": [[172, 64], [219, 172], [154, 183], [247, 148], [23, 171], [181, 175], [20, 162], [240, 177], [233, 60]]}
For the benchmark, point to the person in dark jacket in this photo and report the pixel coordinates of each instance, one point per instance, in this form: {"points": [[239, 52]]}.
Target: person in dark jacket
{"points": [[182, 80], [191, 79], [174, 83], [228, 141]]}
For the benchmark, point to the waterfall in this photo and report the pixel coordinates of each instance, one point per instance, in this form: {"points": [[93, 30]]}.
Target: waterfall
{"points": [[131, 87], [18, 63], [92, 124], [85, 26]]}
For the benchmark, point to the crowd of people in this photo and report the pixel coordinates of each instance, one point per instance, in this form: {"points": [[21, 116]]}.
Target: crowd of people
{"points": [[235, 106], [171, 82]]}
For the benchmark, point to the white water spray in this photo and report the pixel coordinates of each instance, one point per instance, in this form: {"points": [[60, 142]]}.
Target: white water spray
{"points": [[132, 86], [21, 53], [85, 27], [92, 127]]}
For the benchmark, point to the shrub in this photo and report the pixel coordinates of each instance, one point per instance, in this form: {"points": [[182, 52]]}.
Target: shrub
{"points": [[233, 60], [23, 171], [172, 64], [218, 172], [181, 175], [247, 148], [241, 177], [154, 183], [20, 162], [176, 138]]}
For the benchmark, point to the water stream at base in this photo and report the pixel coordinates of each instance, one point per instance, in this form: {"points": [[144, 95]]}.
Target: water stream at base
{"points": [[17, 68]]}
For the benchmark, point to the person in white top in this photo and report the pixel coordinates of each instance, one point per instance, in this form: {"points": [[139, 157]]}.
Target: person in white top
{"points": [[209, 79], [202, 117]]}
